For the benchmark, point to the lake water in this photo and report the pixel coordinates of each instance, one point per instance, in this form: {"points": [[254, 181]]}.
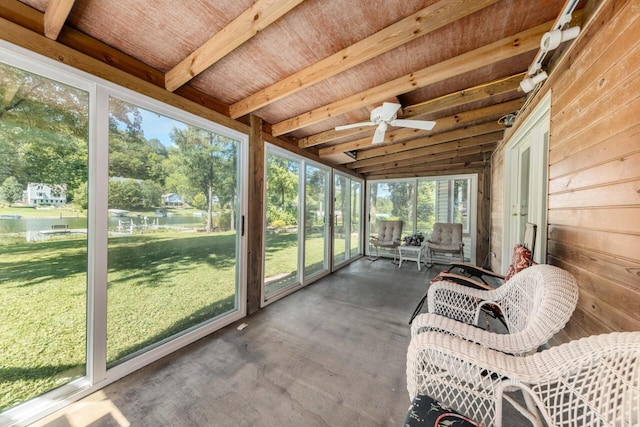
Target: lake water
{"points": [[38, 228]]}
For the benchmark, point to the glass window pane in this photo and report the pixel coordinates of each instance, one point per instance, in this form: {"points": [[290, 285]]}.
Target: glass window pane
{"points": [[392, 201], [173, 240], [282, 203], [356, 215], [44, 130], [316, 190], [341, 192], [426, 206], [461, 203]]}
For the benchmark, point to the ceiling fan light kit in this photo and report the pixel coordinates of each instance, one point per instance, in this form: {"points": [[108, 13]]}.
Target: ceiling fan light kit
{"points": [[386, 115]]}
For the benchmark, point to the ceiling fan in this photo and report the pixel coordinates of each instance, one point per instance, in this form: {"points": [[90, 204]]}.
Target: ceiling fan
{"points": [[384, 116]]}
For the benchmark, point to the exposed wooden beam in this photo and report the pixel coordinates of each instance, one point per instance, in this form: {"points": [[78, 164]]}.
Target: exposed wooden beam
{"points": [[255, 218], [436, 167], [331, 135], [443, 123], [432, 145], [452, 162], [339, 159], [417, 25], [439, 154], [29, 18], [453, 135], [253, 20], [446, 171], [500, 50], [55, 15], [455, 99]]}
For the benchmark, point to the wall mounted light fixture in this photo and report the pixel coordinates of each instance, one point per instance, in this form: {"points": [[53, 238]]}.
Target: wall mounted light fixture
{"points": [[529, 83], [550, 41]]}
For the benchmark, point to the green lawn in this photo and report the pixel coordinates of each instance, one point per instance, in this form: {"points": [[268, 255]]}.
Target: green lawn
{"points": [[159, 284], [30, 212]]}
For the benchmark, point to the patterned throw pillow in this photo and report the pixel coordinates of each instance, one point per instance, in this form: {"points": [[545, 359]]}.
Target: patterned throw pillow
{"points": [[425, 411], [521, 259]]}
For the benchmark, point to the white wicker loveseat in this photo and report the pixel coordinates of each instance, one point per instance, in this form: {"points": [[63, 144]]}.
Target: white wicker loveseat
{"points": [[536, 303], [593, 381]]}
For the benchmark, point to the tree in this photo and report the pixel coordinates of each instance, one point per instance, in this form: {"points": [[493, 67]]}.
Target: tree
{"points": [[225, 184], [282, 183], [125, 194], [196, 147], [401, 195], [43, 129], [11, 190], [81, 196], [151, 194]]}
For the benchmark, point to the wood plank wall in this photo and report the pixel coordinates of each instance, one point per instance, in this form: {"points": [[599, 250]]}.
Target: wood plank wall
{"points": [[594, 172]]}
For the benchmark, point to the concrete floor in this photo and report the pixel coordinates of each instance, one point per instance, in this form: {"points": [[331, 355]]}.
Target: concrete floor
{"points": [[331, 354]]}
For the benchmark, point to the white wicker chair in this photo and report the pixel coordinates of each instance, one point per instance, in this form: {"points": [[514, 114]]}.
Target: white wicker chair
{"points": [[593, 381], [536, 303]]}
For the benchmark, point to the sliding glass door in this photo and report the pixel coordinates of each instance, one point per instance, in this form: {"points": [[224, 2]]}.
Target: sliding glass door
{"points": [[347, 218], [44, 142], [173, 235], [120, 232], [283, 225], [296, 224], [316, 226]]}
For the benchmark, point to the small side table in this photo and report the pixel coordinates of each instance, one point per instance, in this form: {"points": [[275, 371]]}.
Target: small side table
{"points": [[411, 253]]}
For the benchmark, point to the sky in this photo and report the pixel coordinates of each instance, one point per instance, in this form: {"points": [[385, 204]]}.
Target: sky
{"points": [[155, 126]]}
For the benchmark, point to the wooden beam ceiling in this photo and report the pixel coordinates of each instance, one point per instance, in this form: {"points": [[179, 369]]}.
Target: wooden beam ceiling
{"points": [[460, 134], [455, 99], [55, 15], [442, 124], [505, 48], [416, 25], [439, 154], [460, 138], [259, 16]]}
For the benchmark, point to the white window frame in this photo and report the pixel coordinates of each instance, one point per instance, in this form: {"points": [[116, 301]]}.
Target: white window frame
{"points": [[473, 204], [302, 279], [97, 376]]}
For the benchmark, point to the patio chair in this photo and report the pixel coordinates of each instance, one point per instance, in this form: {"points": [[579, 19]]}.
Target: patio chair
{"points": [[536, 303], [522, 258], [389, 235], [474, 276], [446, 238], [592, 381]]}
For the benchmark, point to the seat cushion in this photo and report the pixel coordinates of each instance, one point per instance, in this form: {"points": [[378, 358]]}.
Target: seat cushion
{"points": [[425, 411]]}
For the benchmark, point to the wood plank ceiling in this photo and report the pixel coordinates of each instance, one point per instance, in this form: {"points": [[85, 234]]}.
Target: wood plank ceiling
{"points": [[307, 66]]}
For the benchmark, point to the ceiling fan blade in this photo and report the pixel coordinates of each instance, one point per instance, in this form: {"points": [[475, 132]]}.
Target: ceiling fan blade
{"points": [[355, 125], [416, 124], [388, 110], [378, 136]]}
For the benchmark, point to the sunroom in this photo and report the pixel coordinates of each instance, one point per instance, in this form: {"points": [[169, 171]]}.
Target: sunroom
{"points": [[220, 157]]}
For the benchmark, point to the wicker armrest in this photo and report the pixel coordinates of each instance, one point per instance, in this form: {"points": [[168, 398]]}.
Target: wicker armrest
{"points": [[594, 380], [455, 301], [453, 371], [515, 343]]}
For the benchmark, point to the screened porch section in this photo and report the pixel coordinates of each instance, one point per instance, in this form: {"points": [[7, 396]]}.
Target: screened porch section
{"points": [[422, 202]]}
